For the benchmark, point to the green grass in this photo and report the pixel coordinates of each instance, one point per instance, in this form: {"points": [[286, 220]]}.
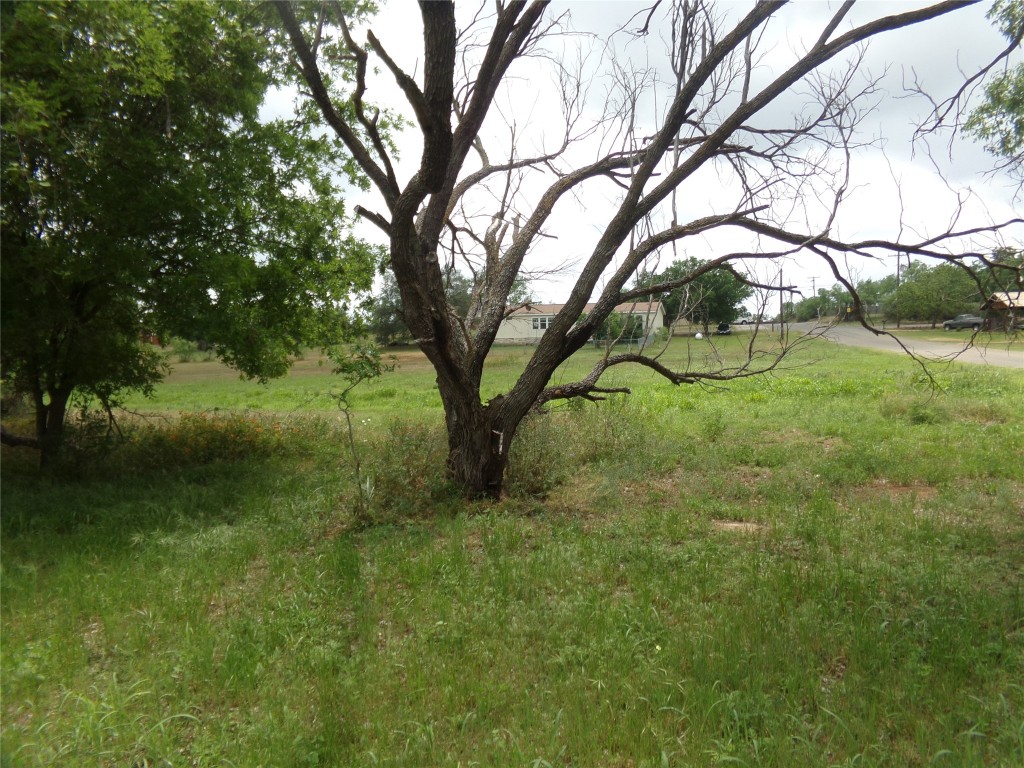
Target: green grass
{"points": [[997, 340], [818, 568]]}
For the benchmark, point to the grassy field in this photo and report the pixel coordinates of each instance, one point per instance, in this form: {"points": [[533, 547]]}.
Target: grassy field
{"points": [[819, 568], [996, 341]]}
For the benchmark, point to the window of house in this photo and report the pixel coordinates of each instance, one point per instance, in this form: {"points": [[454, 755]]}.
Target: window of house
{"points": [[541, 323]]}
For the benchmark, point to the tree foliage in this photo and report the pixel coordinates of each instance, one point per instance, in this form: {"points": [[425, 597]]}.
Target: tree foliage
{"points": [[142, 192], [829, 304], [708, 295], [933, 293], [999, 120], [619, 327]]}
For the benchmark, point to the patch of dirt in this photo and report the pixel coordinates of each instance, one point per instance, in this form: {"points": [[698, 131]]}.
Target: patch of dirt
{"points": [[834, 673], [915, 494], [829, 444], [750, 476], [795, 436], [579, 499], [334, 530], [474, 544], [666, 487], [739, 526]]}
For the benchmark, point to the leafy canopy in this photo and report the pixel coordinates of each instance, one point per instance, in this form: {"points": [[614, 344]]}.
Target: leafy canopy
{"points": [[142, 191], [999, 120], [716, 296]]}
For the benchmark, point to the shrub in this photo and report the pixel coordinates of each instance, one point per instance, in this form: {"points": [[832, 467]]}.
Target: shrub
{"points": [[405, 473], [551, 447], [203, 438]]}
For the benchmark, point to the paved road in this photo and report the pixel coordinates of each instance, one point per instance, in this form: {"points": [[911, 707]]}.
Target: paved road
{"points": [[858, 336], [940, 351]]}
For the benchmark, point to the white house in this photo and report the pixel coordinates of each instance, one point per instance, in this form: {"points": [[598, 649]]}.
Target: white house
{"points": [[527, 324]]}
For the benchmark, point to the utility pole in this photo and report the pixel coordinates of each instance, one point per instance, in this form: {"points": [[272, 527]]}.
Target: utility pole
{"points": [[814, 292], [782, 312], [898, 260]]}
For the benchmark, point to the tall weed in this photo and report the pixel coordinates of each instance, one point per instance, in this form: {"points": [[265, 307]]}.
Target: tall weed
{"points": [[407, 472], [551, 447]]}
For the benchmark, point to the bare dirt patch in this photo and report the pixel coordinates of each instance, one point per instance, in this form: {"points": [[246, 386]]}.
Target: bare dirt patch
{"points": [[914, 495], [739, 526]]}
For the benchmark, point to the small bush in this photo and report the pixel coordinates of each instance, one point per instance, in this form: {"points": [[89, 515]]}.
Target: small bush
{"points": [[203, 438], [712, 425], [186, 351], [930, 411], [551, 447], [406, 472]]}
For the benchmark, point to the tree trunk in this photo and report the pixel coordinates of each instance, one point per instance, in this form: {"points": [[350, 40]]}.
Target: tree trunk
{"points": [[477, 447], [50, 424]]}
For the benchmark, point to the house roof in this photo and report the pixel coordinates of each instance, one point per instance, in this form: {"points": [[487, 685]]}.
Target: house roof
{"points": [[630, 307], [1006, 300]]}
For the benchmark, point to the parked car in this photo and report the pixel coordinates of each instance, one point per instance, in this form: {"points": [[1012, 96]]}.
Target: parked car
{"points": [[964, 321]]}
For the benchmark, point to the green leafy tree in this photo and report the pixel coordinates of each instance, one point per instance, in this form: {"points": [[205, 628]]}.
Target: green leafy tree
{"points": [[999, 121], [384, 319], [812, 308], [619, 327], [142, 192], [876, 291], [1004, 271], [933, 293], [829, 304], [713, 296]]}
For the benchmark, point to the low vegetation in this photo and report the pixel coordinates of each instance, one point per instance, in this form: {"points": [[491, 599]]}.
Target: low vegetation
{"points": [[817, 568]]}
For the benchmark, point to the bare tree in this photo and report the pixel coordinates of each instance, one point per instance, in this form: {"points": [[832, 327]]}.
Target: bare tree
{"points": [[719, 122]]}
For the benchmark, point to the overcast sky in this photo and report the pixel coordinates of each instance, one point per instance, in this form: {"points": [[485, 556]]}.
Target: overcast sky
{"points": [[935, 54]]}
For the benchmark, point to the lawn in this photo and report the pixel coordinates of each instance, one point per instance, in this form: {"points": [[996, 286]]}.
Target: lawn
{"points": [[822, 567], [997, 340]]}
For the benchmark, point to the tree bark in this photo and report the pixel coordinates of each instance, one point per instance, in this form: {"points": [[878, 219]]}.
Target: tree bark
{"points": [[50, 418], [478, 442]]}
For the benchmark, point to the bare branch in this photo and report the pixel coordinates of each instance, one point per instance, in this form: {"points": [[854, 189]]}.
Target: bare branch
{"points": [[320, 94], [17, 440], [956, 104], [369, 124], [383, 224]]}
